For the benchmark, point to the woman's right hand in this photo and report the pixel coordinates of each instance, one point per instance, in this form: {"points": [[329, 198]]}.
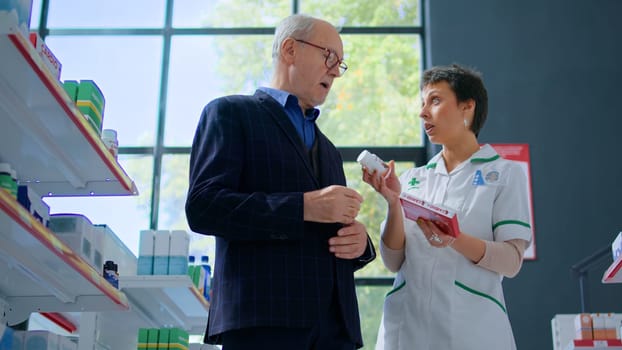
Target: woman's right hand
{"points": [[387, 184]]}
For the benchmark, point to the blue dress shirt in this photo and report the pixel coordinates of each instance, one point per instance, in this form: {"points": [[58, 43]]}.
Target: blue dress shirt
{"points": [[305, 125]]}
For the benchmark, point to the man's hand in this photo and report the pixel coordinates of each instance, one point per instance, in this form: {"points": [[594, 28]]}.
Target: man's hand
{"points": [[332, 204], [350, 242]]}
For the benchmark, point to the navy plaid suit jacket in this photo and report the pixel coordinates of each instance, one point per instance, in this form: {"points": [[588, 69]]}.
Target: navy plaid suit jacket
{"points": [[248, 171]]}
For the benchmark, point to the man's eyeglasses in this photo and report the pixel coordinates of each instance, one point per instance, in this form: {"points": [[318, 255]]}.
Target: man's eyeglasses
{"points": [[331, 58]]}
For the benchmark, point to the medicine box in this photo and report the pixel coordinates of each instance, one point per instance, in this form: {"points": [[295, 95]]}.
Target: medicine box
{"points": [[583, 326], [152, 337], [160, 252], [163, 338], [178, 253], [145, 252], [178, 339], [75, 230], [71, 88], [90, 102], [612, 325], [599, 331], [143, 339]]}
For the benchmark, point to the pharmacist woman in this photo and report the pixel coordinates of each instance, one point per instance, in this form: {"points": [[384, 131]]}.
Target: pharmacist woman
{"points": [[447, 293]]}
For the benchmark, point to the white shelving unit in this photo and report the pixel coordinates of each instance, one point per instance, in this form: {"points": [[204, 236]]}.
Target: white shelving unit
{"points": [[155, 302], [45, 137], [168, 301], [55, 152], [41, 273]]}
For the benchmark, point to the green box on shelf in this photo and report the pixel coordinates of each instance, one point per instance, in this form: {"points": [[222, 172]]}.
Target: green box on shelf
{"points": [[71, 87], [178, 339], [152, 337], [90, 101], [163, 338], [143, 338]]}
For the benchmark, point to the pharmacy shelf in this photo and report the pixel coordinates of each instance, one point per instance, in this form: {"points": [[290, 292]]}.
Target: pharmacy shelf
{"points": [[44, 136], [614, 272], [167, 301], [155, 302], [612, 344], [42, 274]]}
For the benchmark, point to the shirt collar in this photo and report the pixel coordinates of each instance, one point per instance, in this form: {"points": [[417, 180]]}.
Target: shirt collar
{"points": [[282, 97], [486, 153]]}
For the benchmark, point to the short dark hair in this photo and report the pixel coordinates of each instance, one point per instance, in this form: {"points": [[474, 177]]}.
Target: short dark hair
{"points": [[467, 84]]}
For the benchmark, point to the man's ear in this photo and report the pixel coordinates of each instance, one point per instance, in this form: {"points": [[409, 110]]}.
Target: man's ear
{"points": [[288, 50]]}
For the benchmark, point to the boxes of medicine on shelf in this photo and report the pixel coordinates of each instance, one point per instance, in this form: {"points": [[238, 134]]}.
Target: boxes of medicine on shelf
{"points": [[32, 201], [616, 246], [91, 103], [15, 15], [112, 248], [51, 62], [77, 232], [178, 252], [145, 252]]}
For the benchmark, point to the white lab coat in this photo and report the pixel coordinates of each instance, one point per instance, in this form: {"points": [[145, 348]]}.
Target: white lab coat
{"points": [[441, 300]]}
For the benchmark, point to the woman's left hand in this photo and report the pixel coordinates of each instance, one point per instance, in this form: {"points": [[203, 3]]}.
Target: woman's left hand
{"points": [[435, 234]]}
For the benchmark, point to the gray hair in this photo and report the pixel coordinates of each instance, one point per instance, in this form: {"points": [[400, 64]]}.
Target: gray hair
{"points": [[297, 26]]}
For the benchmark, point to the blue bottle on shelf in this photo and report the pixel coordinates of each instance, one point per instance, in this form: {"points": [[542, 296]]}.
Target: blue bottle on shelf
{"points": [[208, 276]]}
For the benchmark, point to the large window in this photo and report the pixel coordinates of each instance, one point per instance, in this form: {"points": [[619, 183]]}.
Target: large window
{"points": [[159, 62]]}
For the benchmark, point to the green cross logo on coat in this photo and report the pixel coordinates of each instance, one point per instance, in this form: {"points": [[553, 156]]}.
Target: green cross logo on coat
{"points": [[413, 183]]}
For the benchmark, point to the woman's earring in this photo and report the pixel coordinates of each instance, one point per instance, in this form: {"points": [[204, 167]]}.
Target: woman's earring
{"points": [[466, 124]]}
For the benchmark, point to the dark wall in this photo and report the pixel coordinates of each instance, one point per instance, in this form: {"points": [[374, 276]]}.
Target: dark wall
{"points": [[552, 69]]}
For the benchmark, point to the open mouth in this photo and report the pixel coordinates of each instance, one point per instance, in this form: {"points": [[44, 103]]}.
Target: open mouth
{"points": [[428, 127], [325, 85]]}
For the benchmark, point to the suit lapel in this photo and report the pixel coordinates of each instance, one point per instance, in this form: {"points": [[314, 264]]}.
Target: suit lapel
{"points": [[275, 110], [329, 162]]}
